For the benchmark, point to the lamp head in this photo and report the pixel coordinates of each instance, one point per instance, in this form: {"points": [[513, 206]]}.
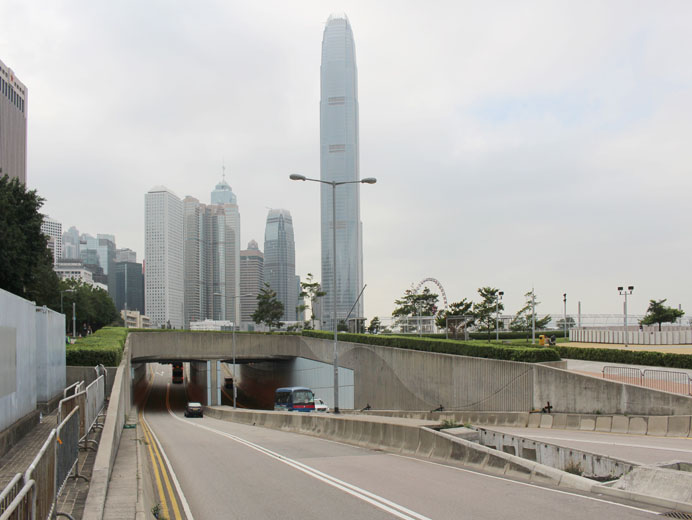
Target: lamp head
{"points": [[297, 177], [369, 180], [501, 293], [630, 288], [620, 288]]}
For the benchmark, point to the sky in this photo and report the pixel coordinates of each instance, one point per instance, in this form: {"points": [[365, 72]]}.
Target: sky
{"points": [[542, 144]]}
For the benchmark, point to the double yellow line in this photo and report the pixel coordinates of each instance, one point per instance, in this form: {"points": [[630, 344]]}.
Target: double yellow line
{"points": [[163, 483]]}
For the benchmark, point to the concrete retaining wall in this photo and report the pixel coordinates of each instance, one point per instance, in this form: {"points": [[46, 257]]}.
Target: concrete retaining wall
{"points": [[406, 438]]}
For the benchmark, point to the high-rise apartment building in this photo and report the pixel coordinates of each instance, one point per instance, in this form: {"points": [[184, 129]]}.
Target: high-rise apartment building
{"points": [[280, 260], [339, 161], [251, 280], [53, 231], [13, 101], [163, 244], [212, 257]]}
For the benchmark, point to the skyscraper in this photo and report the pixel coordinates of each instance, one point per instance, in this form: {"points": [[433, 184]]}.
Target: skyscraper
{"points": [[13, 99], [70, 243], [212, 256], [53, 230], [280, 260], [339, 161], [163, 245], [251, 279]]}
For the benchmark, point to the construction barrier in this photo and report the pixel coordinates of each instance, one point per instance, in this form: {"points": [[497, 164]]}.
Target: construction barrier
{"points": [[67, 448], [42, 471], [11, 491], [664, 380], [23, 505]]}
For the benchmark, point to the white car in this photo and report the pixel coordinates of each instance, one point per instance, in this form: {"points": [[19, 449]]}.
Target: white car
{"points": [[320, 405]]}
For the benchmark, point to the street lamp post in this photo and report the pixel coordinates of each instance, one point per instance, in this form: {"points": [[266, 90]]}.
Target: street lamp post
{"points": [[624, 292], [564, 301], [334, 184], [497, 315], [235, 308], [74, 320], [61, 295]]}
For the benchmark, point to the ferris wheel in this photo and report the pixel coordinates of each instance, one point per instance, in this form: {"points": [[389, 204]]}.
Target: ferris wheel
{"points": [[439, 286]]}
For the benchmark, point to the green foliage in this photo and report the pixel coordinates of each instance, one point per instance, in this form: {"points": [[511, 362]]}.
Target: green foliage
{"points": [[269, 309], [375, 325], [460, 308], [94, 306], [571, 323], [26, 263], [415, 304], [626, 357], [442, 346], [449, 423], [312, 290], [523, 321], [104, 347], [660, 313], [485, 310]]}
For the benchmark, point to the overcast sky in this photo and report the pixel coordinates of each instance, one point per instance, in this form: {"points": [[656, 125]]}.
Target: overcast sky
{"points": [[516, 144]]}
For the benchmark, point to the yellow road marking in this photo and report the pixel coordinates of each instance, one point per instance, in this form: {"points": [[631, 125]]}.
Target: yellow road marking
{"points": [[157, 461]]}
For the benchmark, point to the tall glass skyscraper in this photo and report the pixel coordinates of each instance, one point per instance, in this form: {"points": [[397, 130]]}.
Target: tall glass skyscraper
{"points": [[339, 161], [280, 260]]}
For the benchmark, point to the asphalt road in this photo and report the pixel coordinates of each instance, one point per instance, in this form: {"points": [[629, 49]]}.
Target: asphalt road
{"points": [[229, 470], [642, 449]]}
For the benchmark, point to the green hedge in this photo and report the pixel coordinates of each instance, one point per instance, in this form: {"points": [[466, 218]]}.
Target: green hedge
{"points": [[442, 346], [626, 357], [104, 347]]}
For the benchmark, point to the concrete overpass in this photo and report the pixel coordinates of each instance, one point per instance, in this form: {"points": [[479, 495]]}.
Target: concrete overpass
{"points": [[398, 379]]}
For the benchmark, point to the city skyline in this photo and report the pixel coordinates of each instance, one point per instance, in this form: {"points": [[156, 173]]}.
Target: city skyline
{"points": [[501, 159]]}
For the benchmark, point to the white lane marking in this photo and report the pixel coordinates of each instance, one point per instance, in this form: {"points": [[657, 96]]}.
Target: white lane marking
{"points": [[535, 486], [371, 498], [181, 495], [648, 446]]}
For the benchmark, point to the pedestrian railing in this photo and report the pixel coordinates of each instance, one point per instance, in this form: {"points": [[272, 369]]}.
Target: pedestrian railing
{"points": [[33, 494], [665, 380]]}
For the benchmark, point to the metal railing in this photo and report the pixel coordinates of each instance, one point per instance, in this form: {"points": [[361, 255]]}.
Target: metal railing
{"points": [[665, 380], [33, 494]]}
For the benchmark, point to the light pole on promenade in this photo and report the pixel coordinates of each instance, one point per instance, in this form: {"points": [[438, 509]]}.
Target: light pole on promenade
{"points": [[564, 301], [624, 292], [334, 184], [235, 321], [497, 315]]}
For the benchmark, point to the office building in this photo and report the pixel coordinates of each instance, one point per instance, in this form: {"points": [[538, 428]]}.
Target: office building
{"points": [[280, 260], [128, 286], [70, 244], [53, 231], [339, 161], [135, 320], [13, 103], [251, 280], [212, 257], [125, 255], [163, 243]]}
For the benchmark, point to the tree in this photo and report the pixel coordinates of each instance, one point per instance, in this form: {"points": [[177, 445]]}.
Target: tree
{"points": [[94, 307], [415, 304], [660, 313], [523, 321], [571, 323], [269, 308], [485, 310], [460, 308], [311, 290], [26, 263], [374, 326]]}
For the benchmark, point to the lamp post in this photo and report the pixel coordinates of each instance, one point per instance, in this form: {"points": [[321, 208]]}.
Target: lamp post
{"points": [[61, 294], [624, 292], [334, 184], [235, 392], [564, 301], [497, 315]]}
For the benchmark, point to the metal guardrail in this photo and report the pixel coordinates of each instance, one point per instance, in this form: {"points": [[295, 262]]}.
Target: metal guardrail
{"points": [[33, 494], [665, 380]]}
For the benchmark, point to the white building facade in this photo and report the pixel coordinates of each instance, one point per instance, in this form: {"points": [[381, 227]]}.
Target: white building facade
{"points": [[13, 108], [339, 161], [53, 230], [163, 243]]}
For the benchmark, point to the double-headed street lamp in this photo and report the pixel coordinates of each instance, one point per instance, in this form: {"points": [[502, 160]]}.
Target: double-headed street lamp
{"points": [[564, 301], [235, 312], [497, 315], [334, 184], [624, 292], [74, 317]]}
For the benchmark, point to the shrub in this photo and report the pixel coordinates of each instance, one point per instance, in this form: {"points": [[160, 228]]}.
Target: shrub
{"points": [[104, 347], [626, 357], [442, 346]]}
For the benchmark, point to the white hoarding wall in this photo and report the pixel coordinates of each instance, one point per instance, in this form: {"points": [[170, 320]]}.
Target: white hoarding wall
{"points": [[50, 354]]}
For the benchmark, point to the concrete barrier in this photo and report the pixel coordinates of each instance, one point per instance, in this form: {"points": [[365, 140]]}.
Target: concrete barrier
{"points": [[678, 426]]}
